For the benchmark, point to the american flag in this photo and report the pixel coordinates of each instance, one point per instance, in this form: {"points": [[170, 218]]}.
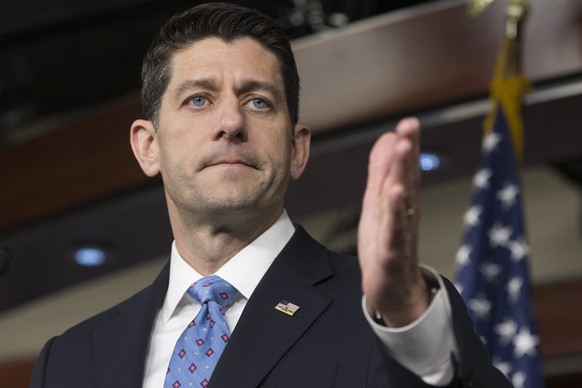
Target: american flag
{"points": [[492, 269]]}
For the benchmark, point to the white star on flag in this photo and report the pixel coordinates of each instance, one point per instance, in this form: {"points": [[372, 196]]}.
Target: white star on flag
{"points": [[514, 288], [506, 331], [519, 249], [463, 254], [490, 141], [525, 343], [518, 380], [490, 271], [471, 217], [507, 195], [481, 306], [499, 235], [481, 178], [504, 367]]}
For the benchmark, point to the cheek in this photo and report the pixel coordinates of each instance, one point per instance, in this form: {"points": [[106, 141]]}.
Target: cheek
{"points": [[280, 151], [174, 159], [179, 141]]}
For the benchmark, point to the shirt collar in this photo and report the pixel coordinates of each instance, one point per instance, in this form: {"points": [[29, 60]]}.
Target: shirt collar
{"points": [[244, 271]]}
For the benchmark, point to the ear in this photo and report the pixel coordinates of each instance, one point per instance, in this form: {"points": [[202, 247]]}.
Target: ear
{"points": [[300, 153], [144, 146]]}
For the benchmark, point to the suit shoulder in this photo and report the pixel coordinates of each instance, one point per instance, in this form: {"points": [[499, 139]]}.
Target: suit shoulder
{"points": [[342, 259], [144, 303], [102, 318]]}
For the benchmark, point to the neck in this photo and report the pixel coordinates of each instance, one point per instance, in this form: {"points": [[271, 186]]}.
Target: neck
{"points": [[207, 246]]}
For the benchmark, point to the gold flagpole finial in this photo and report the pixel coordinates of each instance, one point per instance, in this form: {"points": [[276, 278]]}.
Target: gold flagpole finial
{"points": [[515, 13]]}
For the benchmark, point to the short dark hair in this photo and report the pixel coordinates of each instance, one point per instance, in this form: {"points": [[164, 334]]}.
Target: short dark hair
{"points": [[228, 22]]}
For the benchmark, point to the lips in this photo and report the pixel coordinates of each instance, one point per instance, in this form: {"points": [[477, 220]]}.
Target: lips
{"points": [[229, 162], [229, 157]]}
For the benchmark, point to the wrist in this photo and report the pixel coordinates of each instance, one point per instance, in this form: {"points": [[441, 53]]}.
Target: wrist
{"points": [[432, 287]]}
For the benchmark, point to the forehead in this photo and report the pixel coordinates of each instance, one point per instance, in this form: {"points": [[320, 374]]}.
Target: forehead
{"points": [[237, 60]]}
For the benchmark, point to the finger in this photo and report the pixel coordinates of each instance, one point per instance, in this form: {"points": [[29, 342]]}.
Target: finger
{"points": [[396, 227], [406, 174], [408, 131], [402, 173], [388, 189], [383, 152], [408, 127], [380, 162], [375, 218]]}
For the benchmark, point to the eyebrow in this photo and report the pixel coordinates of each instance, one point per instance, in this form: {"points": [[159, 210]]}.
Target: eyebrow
{"points": [[250, 85], [204, 83], [212, 84]]}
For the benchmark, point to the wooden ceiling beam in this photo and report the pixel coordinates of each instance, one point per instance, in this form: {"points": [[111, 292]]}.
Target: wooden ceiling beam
{"points": [[87, 159]]}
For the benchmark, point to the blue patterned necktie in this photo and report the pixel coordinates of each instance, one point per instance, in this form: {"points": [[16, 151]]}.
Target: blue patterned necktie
{"points": [[202, 342]]}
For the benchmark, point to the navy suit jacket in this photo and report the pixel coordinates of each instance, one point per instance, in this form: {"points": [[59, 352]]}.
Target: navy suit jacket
{"points": [[327, 343]]}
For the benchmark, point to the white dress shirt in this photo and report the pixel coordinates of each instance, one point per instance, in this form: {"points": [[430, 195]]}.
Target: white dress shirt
{"points": [[418, 346]]}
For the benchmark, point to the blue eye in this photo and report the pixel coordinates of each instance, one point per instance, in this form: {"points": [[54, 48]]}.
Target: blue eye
{"points": [[198, 100], [259, 103]]}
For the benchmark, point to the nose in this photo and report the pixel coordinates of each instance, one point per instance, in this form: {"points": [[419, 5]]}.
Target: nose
{"points": [[231, 122]]}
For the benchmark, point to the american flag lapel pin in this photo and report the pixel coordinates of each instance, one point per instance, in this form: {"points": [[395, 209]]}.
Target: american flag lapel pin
{"points": [[287, 308]]}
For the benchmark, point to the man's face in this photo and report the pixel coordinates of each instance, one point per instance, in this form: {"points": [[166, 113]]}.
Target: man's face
{"points": [[225, 142]]}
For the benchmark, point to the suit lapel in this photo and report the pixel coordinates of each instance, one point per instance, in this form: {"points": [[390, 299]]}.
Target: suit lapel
{"points": [[263, 334], [116, 362]]}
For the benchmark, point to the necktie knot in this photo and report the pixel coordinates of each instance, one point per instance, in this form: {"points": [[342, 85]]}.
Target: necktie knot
{"points": [[212, 288]]}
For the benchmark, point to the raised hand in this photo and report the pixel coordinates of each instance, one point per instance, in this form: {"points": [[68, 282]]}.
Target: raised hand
{"points": [[388, 228]]}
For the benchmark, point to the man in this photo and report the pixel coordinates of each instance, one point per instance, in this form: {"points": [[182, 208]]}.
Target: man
{"points": [[220, 94]]}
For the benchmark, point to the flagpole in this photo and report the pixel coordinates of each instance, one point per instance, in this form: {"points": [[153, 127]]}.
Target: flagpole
{"points": [[515, 15]]}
